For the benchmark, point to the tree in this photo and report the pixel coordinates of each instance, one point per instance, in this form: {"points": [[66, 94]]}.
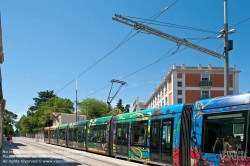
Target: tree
{"points": [[8, 121], [43, 96], [43, 116], [93, 108], [127, 108], [115, 111], [119, 105], [24, 123]]}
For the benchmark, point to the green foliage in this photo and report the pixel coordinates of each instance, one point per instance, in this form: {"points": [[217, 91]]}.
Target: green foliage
{"points": [[121, 107], [40, 115], [44, 114], [115, 111], [126, 109], [8, 122], [93, 108], [43, 96]]}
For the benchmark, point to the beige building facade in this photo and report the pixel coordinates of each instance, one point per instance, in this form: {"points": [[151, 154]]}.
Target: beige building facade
{"points": [[186, 84], [63, 118], [2, 101]]}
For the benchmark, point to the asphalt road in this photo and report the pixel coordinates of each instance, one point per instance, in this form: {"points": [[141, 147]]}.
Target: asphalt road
{"points": [[31, 152]]}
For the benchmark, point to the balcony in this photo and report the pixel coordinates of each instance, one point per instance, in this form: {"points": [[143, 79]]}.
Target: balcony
{"points": [[205, 83]]}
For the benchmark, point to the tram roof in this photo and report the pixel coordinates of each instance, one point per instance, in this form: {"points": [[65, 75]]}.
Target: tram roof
{"points": [[63, 126], [164, 112], [78, 123], [53, 127], [223, 101], [101, 120]]}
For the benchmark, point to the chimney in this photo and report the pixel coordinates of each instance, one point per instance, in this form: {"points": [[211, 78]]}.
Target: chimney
{"points": [[174, 66]]}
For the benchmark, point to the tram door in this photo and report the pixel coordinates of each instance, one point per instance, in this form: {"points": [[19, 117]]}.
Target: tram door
{"points": [[161, 142], [121, 139]]}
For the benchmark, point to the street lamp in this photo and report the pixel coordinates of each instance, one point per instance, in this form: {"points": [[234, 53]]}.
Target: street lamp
{"points": [[228, 45]]}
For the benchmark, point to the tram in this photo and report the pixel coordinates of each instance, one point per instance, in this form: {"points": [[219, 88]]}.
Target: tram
{"points": [[179, 135]]}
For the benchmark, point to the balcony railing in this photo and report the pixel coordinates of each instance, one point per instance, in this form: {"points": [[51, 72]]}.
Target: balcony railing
{"points": [[206, 83]]}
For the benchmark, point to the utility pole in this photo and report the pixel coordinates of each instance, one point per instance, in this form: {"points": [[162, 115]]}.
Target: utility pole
{"points": [[226, 59], [228, 44], [76, 99]]}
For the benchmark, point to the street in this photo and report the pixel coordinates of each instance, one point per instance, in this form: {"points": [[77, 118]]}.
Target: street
{"points": [[29, 152]]}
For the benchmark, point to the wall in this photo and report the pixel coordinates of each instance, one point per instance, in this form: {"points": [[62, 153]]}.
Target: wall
{"points": [[68, 118], [1, 129], [218, 80], [192, 96], [192, 80]]}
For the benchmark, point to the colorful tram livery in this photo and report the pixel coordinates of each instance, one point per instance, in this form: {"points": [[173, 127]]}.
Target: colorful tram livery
{"points": [[179, 135], [77, 132], [213, 121], [46, 134], [53, 135]]}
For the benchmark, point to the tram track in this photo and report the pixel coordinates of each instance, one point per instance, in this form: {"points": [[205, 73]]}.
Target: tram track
{"points": [[48, 150], [88, 160], [92, 162]]}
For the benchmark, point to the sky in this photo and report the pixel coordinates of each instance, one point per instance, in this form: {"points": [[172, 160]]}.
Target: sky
{"points": [[48, 44]]}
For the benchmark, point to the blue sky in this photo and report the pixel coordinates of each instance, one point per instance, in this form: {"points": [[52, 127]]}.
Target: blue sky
{"points": [[47, 44]]}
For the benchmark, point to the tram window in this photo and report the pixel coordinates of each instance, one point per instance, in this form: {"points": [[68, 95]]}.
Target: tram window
{"points": [[166, 133], [118, 134], [139, 133], [54, 134], [46, 134], [125, 135], [93, 134], [51, 134], [84, 133], [80, 134], [121, 134], [223, 132], [69, 134], [62, 134], [97, 134], [75, 134], [101, 134]]}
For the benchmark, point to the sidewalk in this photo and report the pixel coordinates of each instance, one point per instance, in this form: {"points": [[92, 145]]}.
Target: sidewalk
{"points": [[6, 154]]}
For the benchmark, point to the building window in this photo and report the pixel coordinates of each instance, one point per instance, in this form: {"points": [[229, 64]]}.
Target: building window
{"points": [[162, 103], [179, 83], [179, 92], [205, 94], [179, 100], [205, 77]]}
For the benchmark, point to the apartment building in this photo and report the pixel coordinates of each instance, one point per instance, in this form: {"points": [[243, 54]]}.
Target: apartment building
{"points": [[186, 84]]}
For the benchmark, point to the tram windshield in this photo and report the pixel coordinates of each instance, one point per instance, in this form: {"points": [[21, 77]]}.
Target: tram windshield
{"points": [[224, 132]]}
